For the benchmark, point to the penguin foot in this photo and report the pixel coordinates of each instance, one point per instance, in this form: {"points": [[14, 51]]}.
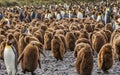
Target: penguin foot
{"points": [[99, 71], [116, 60], [32, 73], [24, 72], [57, 60], [106, 72], [61, 59], [118, 63]]}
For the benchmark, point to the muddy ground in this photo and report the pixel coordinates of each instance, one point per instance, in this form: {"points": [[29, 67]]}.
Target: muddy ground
{"points": [[66, 67]]}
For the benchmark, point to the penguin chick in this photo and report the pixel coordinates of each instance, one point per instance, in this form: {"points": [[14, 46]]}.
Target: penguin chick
{"points": [[105, 57], [84, 62], [30, 57], [57, 48]]}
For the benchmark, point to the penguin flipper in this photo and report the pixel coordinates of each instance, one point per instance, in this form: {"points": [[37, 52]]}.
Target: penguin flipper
{"points": [[42, 53], [16, 56], [1, 53], [100, 60], [39, 63], [78, 62], [20, 57]]}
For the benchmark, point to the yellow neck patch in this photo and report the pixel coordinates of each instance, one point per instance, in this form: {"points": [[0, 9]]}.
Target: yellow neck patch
{"points": [[99, 15], [7, 46]]}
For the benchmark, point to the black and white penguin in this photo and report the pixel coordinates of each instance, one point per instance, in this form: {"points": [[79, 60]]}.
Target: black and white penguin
{"points": [[107, 18], [33, 14], [10, 58], [21, 17], [79, 14]]}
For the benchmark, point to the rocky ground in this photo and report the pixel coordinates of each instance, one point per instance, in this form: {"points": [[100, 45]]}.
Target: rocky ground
{"points": [[66, 67]]}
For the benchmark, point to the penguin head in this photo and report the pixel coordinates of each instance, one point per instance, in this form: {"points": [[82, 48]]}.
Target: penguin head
{"points": [[10, 36], [109, 48], [27, 39], [10, 39], [56, 37], [8, 42], [37, 43]]}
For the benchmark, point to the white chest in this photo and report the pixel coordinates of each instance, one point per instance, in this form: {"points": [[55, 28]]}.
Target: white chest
{"points": [[10, 60], [9, 56]]}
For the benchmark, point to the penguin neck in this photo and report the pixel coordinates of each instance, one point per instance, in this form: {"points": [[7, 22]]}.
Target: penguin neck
{"points": [[8, 46], [116, 23], [99, 15]]}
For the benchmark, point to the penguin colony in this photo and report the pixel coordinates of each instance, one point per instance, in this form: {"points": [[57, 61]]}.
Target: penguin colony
{"points": [[28, 48], [22, 42]]}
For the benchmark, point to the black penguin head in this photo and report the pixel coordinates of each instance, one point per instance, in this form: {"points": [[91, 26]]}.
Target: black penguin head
{"points": [[10, 39], [8, 42]]}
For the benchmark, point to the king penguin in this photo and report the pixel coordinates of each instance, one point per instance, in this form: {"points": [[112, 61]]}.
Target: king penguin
{"points": [[10, 59], [107, 16]]}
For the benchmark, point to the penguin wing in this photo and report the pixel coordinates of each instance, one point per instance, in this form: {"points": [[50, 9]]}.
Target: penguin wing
{"points": [[42, 52], [75, 51], [20, 57], [100, 59], [78, 61], [62, 49], [2, 50], [16, 56]]}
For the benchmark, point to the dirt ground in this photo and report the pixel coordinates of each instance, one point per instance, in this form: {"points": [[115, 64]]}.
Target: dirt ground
{"points": [[66, 67]]}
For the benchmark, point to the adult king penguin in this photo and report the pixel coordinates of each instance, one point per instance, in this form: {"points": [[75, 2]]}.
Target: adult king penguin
{"points": [[10, 58]]}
